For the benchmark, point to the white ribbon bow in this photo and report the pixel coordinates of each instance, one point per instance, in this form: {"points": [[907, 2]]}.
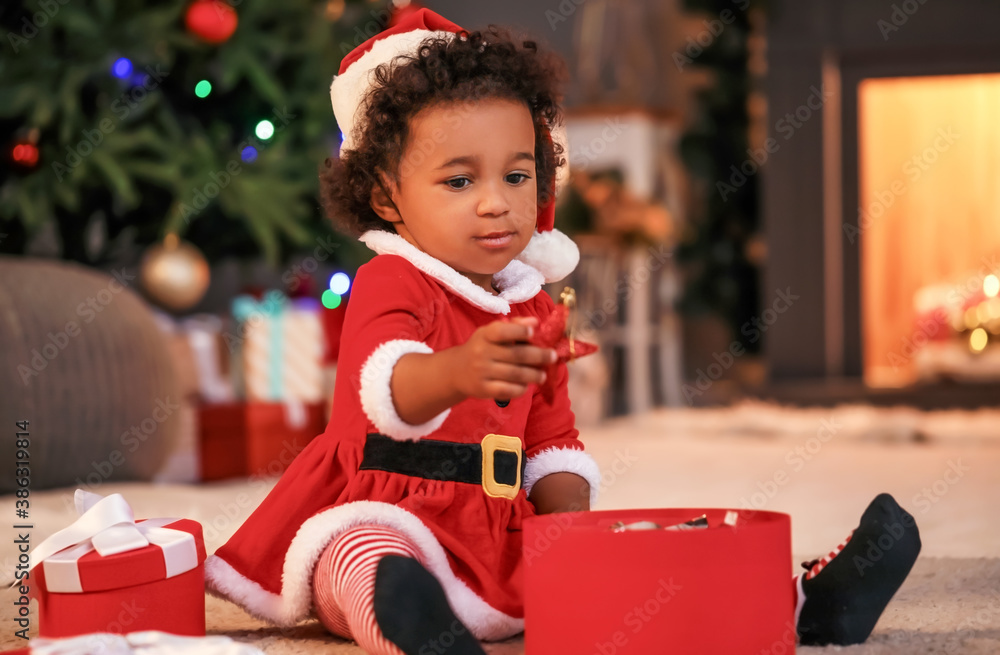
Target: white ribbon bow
{"points": [[107, 525]]}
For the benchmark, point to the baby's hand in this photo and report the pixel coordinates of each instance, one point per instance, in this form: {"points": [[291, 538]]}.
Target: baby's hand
{"points": [[497, 362]]}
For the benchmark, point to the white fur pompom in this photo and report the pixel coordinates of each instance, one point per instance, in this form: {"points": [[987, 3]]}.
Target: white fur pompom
{"points": [[551, 253]]}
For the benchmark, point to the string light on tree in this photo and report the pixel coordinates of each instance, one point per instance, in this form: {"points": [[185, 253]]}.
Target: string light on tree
{"points": [[340, 283], [331, 300], [264, 130], [249, 154], [203, 88], [122, 68]]}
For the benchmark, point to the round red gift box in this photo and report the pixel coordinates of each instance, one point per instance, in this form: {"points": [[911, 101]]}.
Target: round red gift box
{"points": [[127, 592], [723, 589]]}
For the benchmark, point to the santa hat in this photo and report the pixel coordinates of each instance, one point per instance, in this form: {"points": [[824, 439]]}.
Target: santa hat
{"points": [[550, 251]]}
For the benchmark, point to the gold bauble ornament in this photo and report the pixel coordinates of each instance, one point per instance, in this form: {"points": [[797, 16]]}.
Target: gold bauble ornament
{"points": [[174, 274]]}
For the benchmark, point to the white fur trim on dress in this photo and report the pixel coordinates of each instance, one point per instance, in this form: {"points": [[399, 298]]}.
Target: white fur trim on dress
{"points": [[295, 601], [376, 391], [551, 253], [517, 282], [563, 460], [348, 91]]}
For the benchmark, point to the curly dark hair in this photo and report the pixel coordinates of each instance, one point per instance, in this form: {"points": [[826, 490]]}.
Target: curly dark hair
{"points": [[473, 66]]}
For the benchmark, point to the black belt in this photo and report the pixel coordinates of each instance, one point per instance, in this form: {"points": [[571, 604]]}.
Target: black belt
{"points": [[499, 456]]}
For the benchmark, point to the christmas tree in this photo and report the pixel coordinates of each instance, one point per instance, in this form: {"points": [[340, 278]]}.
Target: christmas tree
{"points": [[129, 120], [722, 276]]}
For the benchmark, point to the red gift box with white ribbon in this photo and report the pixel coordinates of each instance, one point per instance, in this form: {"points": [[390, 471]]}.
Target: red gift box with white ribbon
{"points": [[641, 581], [108, 572]]}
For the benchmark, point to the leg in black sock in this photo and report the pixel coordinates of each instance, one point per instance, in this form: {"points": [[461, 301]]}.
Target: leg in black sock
{"points": [[413, 612], [845, 598]]}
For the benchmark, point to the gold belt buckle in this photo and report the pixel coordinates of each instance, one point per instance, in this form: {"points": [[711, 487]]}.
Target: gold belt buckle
{"points": [[491, 444]]}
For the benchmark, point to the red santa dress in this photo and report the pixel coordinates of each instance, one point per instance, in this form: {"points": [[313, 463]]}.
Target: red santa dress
{"points": [[405, 301]]}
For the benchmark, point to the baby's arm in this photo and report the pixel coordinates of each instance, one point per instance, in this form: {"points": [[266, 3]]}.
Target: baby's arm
{"points": [[422, 385], [560, 492], [494, 363]]}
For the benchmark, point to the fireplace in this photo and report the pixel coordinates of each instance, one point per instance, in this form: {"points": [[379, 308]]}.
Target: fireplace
{"points": [[890, 198], [928, 223]]}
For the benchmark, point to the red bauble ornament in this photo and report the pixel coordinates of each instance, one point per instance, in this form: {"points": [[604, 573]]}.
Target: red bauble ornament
{"points": [[25, 154], [213, 21], [552, 333]]}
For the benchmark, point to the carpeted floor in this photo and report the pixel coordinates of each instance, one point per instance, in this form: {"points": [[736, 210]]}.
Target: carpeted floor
{"points": [[833, 462], [947, 605]]}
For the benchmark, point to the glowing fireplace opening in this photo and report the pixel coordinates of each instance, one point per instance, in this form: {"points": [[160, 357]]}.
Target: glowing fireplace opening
{"points": [[929, 226]]}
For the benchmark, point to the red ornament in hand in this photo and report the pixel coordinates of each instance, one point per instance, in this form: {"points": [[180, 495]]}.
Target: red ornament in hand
{"points": [[213, 21], [552, 334]]}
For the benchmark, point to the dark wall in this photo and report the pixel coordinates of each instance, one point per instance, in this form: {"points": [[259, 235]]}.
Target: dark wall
{"points": [[860, 39], [529, 16]]}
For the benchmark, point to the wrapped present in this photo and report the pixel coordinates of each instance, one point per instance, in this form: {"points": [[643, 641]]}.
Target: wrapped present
{"points": [[254, 438], [204, 336], [656, 581], [108, 572], [282, 348]]}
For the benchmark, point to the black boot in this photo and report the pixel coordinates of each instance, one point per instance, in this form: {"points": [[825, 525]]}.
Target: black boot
{"points": [[846, 594], [413, 613]]}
